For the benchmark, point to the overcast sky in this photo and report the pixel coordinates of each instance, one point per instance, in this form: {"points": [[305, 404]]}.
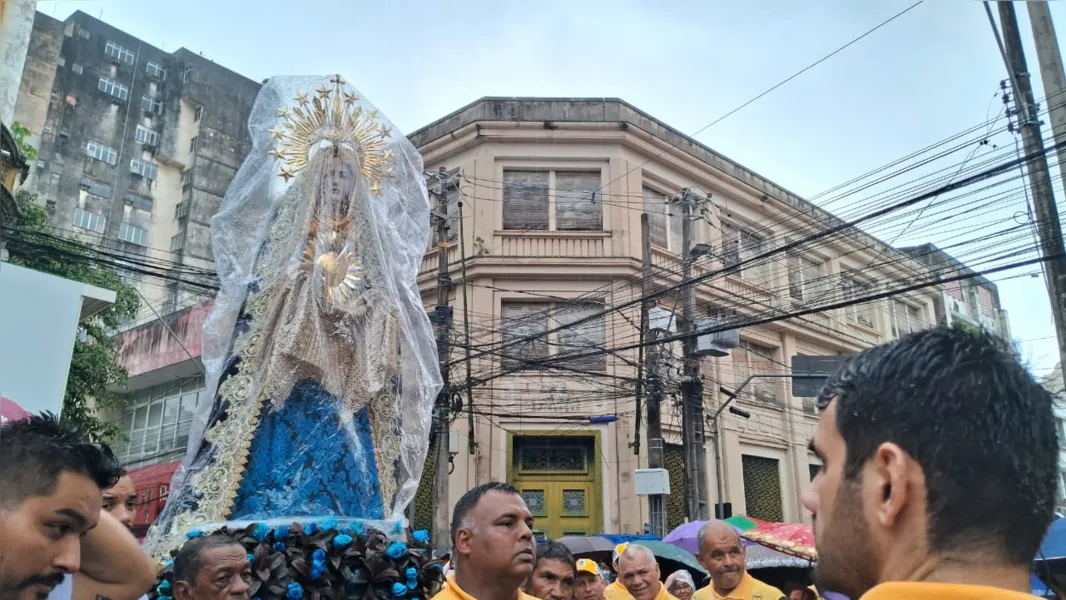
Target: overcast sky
{"points": [[928, 74]]}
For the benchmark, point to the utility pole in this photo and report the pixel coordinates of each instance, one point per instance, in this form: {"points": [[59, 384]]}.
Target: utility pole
{"points": [[654, 386], [439, 185], [692, 424], [1047, 216]]}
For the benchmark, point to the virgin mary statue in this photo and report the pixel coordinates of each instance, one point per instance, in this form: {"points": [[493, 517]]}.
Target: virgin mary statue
{"points": [[318, 348]]}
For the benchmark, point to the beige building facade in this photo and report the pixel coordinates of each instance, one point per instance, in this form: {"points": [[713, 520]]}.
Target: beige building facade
{"points": [[552, 193]]}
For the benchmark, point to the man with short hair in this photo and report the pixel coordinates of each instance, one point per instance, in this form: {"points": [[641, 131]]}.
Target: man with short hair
{"points": [[590, 583], [54, 540], [724, 557], [617, 591], [939, 465], [213, 567], [493, 551], [639, 572], [553, 574]]}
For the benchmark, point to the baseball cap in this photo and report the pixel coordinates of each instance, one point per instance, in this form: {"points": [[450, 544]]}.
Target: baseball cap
{"points": [[585, 565], [618, 550]]}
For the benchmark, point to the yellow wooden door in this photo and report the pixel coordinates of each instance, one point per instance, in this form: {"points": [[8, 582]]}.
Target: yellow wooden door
{"points": [[560, 508]]}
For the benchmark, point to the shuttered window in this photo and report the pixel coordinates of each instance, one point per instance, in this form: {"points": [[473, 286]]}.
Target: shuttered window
{"points": [[523, 324], [585, 338], [558, 200], [740, 246], [577, 201], [525, 200], [806, 279]]}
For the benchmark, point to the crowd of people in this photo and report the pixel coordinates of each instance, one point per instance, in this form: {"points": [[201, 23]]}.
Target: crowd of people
{"points": [[938, 480]]}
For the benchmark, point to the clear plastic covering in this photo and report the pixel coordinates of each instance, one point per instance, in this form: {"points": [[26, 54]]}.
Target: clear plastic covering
{"points": [[318, 350]]}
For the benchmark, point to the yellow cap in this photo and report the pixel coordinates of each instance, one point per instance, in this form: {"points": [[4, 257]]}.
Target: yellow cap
{"points": [[619, 550], [585, 565]]}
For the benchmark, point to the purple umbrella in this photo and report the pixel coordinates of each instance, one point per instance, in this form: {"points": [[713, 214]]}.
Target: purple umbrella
{"points": [[686, 536]]}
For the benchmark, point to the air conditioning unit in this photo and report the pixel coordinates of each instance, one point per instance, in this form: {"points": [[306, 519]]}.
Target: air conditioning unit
{"points": [[715, 344]]}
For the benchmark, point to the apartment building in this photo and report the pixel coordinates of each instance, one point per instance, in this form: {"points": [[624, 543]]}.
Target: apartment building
{"points": [[973, 301], [136, 145], [552, 194]]}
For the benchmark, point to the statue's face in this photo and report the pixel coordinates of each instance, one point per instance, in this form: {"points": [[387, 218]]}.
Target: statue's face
{"points": [[339, 186]]}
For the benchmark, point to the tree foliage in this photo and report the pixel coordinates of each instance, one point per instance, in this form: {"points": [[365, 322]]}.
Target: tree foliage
{"points": [[93, 366], [20, 133]]}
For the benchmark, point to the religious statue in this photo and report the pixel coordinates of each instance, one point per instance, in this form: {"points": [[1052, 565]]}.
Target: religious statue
{"points": [[322, 352]]}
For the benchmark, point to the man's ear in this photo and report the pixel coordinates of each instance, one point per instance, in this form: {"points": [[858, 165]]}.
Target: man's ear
{"points": [[182, 590], [891, 467], [462, 542]]}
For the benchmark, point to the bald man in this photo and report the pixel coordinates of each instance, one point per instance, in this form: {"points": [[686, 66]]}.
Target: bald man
{"points": [[639, 572], [723, 555]]}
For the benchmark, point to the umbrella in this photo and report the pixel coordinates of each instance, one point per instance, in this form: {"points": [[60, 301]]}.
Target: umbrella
{"points": [[761, 557], [672, 558], [796, 539], [11, 411], [586, 545], [1054, 545], [686, 535]]}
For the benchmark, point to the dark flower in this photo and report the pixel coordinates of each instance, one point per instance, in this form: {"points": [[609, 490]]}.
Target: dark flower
{"points": [[279, 547]]}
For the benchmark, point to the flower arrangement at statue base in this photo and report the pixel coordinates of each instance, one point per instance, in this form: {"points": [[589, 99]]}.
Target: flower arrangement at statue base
{"points": [[326, 561]]}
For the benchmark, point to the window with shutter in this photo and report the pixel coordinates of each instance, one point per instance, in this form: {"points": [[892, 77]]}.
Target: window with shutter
{"points": [[756, 359], [523, 324], [739, 246], [860, 313], [806, 278], [577, 201], [525, 200], [583, 338], [655, 206]]}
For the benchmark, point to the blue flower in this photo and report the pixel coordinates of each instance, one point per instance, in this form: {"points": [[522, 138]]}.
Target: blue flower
{"points": [[411, 573], [329, 523], [342, 540], [163, 587], [421, 536], [318, 556], [396, 550], [168, 564], [317, 570], [279, 547], [193, 533], [357, 527], [310, 528], [399, 589], [256, 598], [294, 592], [165, 598], [260, 531], [398, 528], [438, 566], [251, 558], [281, 533]]}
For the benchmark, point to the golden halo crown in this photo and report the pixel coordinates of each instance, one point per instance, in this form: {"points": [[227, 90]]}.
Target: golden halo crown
{"points": [[334, 115]]}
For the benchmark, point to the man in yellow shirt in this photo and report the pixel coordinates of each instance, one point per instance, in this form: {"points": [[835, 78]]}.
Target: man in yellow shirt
{"points": [[590, 583], [617, 591], [493, 551], [639, 572], [939, 463], [723, 555]]}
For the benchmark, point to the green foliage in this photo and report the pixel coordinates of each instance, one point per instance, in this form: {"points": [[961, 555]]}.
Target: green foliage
{"points": [[93, 366], [964, 326], [20, 134]]}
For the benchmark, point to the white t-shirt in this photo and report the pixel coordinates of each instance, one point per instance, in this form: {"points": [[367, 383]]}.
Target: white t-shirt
{"points": [[65, 590]]}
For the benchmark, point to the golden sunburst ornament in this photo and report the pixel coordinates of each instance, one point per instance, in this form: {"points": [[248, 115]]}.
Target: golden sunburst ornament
{"points": [[332, 114]]}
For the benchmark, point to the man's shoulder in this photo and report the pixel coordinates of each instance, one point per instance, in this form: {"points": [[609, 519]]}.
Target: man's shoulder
{"points": [[704, 593]]}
